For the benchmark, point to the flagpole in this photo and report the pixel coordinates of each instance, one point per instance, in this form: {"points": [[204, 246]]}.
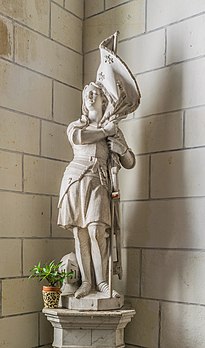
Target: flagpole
{"points": [[115, 41]]}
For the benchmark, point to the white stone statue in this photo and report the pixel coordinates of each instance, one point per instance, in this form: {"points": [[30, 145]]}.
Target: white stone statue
{"points": [[90, 180]]}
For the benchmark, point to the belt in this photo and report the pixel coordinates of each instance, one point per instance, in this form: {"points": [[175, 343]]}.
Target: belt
{"points": [[90, 159]]}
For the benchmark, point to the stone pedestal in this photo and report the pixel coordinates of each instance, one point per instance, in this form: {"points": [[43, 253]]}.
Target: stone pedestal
{"points": [[76, 329], [95, 301]]}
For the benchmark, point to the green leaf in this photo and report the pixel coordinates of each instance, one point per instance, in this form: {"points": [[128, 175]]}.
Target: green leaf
{"points": [[50, 272]]}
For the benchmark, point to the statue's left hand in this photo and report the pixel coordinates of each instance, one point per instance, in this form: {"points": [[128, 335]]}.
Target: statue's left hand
{"points": [[117, 144], [110, 128]]}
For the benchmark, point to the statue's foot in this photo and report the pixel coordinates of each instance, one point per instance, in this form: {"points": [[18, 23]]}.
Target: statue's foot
{"points": [[104, 287], [83, 290]]}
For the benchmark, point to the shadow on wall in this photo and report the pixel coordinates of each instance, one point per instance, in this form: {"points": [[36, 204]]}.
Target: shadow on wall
{"points": [[154, 225]]}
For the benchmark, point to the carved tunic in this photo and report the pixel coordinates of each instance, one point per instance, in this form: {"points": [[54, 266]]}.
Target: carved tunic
{"points": [[84, 194]]}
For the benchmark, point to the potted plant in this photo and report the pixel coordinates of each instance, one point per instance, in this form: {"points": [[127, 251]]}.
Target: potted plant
{"points": [[52, 273]]}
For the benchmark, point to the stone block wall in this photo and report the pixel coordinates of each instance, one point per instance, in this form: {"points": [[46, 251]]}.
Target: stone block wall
{"points": [[163, 203], [40, 93]]}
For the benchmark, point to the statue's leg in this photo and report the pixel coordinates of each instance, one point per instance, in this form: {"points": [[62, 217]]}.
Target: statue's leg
{"points": [[83, 255], [98, 250], [97, 233]]}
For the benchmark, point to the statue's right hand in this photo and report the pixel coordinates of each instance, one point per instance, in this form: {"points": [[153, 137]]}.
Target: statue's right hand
{"points": [[110, 128]]}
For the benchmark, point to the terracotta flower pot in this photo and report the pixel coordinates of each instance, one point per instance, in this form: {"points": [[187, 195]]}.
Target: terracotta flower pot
{"points": [[51, 295]]}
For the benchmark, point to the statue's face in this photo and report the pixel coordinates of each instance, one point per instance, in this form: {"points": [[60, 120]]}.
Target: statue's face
{"points": [[93, 99]]}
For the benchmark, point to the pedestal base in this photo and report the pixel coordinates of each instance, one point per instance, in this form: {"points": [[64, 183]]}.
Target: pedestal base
{"points": [[102, 329], [94, 301]]}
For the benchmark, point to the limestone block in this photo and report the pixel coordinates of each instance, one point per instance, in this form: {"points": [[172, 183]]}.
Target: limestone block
{"points": [[46, 331], [54, 141], [58, 231], [42, 175], [176, 87], [45, 250], [48, 57], [10, 258], [171, 11], [194, 119], [185, 39], [143, 330], [175, 223], [135, 51], [19, 132], [75, 6], [91, 63], [113, 3], [24, 90], [30, 215], [186, 322], [93, 7], [10, 171], [178, 174], [129, 284], [12, 331], [67, 103], [59, 2], [34, 14], [134, 183], [173, 275], [129, 19], [6, 43], [66, 28], [21, 295], [154, 133]]}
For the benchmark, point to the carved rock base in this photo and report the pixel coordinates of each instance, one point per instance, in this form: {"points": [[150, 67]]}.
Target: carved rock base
{"points": [[102, 329], [94, 301]]}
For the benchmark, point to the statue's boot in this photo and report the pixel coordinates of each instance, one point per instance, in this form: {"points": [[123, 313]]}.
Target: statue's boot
{"points": [[83, 256], [104, 287], [99, 252], [83, 290]]}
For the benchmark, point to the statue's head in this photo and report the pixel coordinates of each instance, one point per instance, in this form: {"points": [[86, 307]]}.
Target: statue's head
{"points": [[94, 98]]}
